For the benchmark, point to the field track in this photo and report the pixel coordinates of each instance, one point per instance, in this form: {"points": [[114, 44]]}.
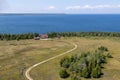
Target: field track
{"points": [[27, 73]]}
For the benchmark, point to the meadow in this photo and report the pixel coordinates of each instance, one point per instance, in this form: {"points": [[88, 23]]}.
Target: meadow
{"points": [[17, 56]]}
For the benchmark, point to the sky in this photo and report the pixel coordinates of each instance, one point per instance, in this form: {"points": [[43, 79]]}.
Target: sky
{"points": [[61, 6]]}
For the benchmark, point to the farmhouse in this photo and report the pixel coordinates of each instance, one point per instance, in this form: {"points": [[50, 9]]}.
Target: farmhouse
{"points": [[44, 36]]}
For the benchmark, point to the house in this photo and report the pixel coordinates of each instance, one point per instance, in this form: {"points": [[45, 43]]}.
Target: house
{"points": [[44, 36], [37, 38]]}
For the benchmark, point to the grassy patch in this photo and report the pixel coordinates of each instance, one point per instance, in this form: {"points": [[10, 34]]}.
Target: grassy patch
{"points": [[50, 70], [17, 56], [14, 60]]}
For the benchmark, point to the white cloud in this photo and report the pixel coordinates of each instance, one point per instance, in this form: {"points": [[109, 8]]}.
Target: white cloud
{"points": [[91, 7], [51, 7], [118, 6]]}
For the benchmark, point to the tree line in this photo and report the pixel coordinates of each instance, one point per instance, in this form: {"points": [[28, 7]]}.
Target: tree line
{"points": [[58, 35], [87, 65], [83, 34], [18, 36]]}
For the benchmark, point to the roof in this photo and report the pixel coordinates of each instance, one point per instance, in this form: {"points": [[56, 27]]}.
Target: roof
{"points": [[44, 36]]}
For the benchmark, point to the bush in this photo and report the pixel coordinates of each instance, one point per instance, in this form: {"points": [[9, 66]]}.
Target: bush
{"points": [[102, 48], [109, 55], [96, 72], [74, 58], [65, 62], [75, 78], [63, 73], [74, 67], [85, 73]]}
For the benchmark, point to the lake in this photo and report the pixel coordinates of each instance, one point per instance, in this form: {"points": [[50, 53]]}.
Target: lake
{"points": [[44, 23]]}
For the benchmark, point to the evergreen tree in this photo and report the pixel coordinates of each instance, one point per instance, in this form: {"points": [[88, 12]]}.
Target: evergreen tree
{"points": [[75, 78], [85, 73], [96, 72], [65, 62], [63, 73]]}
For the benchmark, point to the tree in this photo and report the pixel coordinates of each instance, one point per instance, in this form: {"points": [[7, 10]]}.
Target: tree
{"points": [[86, 65], [63, 73], [74, 67], [74, 58], [75, 78], [85, 73], [36, 34], [65, 62], [96, 72]]}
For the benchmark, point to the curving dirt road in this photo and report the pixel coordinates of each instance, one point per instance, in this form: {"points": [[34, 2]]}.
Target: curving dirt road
{"points": [[27, 73]]}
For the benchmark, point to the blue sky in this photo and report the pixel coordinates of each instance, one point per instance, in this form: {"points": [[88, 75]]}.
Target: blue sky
{"points": [[61, 6]]}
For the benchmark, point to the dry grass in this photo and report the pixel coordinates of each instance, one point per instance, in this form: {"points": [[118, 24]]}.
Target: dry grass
{"points": [[18, 55], [50, 70]]}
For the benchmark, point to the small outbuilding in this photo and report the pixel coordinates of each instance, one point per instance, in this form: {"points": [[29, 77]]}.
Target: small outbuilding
{"points": [[44, 36], [37, 38]]}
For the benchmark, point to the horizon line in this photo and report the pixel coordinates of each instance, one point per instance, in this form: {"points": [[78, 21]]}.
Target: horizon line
{"points": [[56, 13]]}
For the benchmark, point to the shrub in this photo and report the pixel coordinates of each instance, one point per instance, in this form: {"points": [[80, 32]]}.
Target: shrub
{"points": [[109, 55], [102, 48], [65, 62], [74, 67], [85, 73], [74, 58], [96, 72], [75, 78], [63, 73]]}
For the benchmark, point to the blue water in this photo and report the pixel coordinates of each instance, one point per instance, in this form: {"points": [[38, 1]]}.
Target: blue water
{"points": [[59, 23]]}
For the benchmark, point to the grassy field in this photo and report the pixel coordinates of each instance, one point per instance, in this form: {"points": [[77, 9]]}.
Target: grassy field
{"points": [[50, 70], [17, 56]]}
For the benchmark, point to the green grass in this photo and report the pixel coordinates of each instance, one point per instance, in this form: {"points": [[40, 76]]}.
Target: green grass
{"points": [[17, 55]]}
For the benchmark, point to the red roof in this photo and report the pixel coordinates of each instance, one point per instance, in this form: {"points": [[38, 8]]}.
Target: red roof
{"points": [[44, 36]]}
